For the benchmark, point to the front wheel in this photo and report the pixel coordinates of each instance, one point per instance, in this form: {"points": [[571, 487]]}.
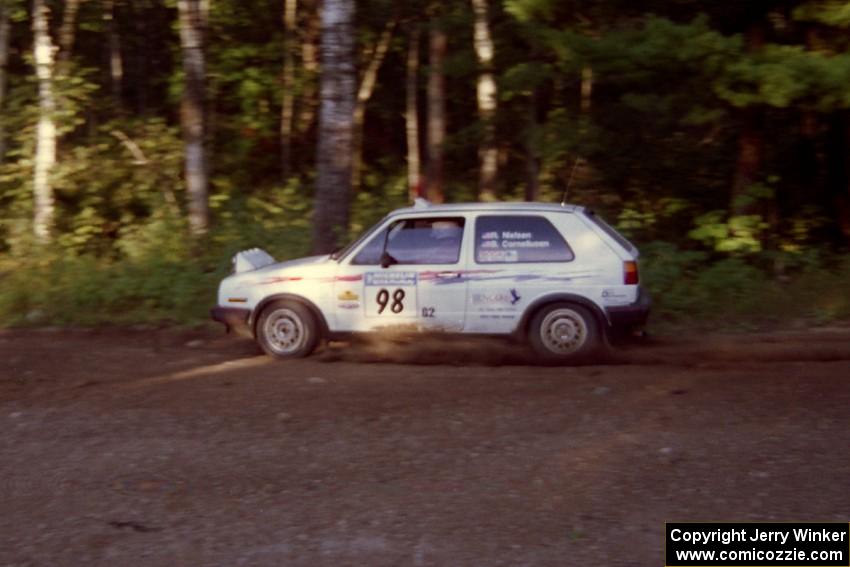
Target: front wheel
{"points": [[564, 332], [287, 329]]}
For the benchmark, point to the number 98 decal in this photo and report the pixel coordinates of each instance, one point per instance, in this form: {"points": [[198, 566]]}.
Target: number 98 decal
{"points": [[391, 294], [383, 299]]}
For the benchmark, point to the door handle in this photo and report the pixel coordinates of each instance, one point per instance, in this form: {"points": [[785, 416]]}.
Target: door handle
{"points": [[448, 275]]}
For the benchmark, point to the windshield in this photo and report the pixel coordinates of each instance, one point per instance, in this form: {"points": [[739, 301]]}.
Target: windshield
{"points": [[342, 253]]}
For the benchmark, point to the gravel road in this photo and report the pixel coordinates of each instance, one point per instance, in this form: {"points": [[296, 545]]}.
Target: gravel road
{"points": [[172, 448]]}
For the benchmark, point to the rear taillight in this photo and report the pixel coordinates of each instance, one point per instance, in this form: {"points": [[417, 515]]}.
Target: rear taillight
{"points": [[630, 273]]}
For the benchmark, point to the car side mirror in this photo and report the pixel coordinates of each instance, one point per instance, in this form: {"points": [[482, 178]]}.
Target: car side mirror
{"points": [[387, 260]]}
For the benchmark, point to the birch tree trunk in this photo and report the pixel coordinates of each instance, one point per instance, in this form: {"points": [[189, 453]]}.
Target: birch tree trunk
{"points": [[193, 18], [4, 62], [487, 103], [45, 145], [68, 33], [364, 93], [116, 62], [411, 118], [290, 12], [336, 115], [308, 102], [436, 114]]}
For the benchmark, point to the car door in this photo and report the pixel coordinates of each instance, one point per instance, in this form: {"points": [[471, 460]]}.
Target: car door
{"points": [[420, 284], [515, 259]]}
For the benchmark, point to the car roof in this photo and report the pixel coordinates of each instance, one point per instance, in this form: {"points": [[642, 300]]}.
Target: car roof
{"points": [[502, 207]]}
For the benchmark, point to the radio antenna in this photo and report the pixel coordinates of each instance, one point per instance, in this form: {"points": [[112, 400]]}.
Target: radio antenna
{"points": [[569, 183]]}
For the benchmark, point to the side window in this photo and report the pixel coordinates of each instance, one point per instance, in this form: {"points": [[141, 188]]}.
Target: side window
{"points": [[416, 241], [518, 239]]}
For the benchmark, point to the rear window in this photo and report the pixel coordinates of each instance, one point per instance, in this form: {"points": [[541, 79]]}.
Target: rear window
{"points": [[610, 231], [508, 239]]}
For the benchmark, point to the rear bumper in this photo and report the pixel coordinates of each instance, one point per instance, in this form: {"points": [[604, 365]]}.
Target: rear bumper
{"points": [[626, 318], [233, 318]]}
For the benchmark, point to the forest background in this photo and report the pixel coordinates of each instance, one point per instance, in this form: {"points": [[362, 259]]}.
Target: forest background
{"points": [[143, 142]]}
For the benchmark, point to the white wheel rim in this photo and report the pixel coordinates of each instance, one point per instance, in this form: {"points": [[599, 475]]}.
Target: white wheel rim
{"points": [[563, 331], [284, 331]]}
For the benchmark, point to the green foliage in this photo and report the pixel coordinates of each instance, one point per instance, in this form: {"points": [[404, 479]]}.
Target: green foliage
{"points": [[830, 12], [138, 176], [690, 289], [370, 206], [82, 290], [523, 78], [633, 108], [154, 272], [525, 10], [786, 75], [735, 234]]}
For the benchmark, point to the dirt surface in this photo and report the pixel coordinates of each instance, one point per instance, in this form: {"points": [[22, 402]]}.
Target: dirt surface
{"points": [[173, 448]]}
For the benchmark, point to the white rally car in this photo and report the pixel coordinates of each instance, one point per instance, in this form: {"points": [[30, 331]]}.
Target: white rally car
{"points": [[554, 275]]}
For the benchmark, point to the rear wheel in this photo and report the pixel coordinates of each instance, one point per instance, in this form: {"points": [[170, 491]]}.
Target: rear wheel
{"points": [[564, 332], [287, 329]]}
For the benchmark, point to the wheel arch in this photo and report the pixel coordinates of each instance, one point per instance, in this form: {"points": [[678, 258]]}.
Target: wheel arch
{"points": [[521, 330], [314, 310]]}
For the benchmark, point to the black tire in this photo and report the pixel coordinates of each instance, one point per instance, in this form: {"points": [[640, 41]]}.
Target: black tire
{"points": [[287, 329], [565, 332]]}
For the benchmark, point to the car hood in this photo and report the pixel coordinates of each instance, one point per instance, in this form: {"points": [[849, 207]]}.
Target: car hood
{"points": [[297, 263]]}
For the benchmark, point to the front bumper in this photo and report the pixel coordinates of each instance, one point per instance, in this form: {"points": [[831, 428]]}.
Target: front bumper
{"points": [[632, 317], [233, 318]]}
